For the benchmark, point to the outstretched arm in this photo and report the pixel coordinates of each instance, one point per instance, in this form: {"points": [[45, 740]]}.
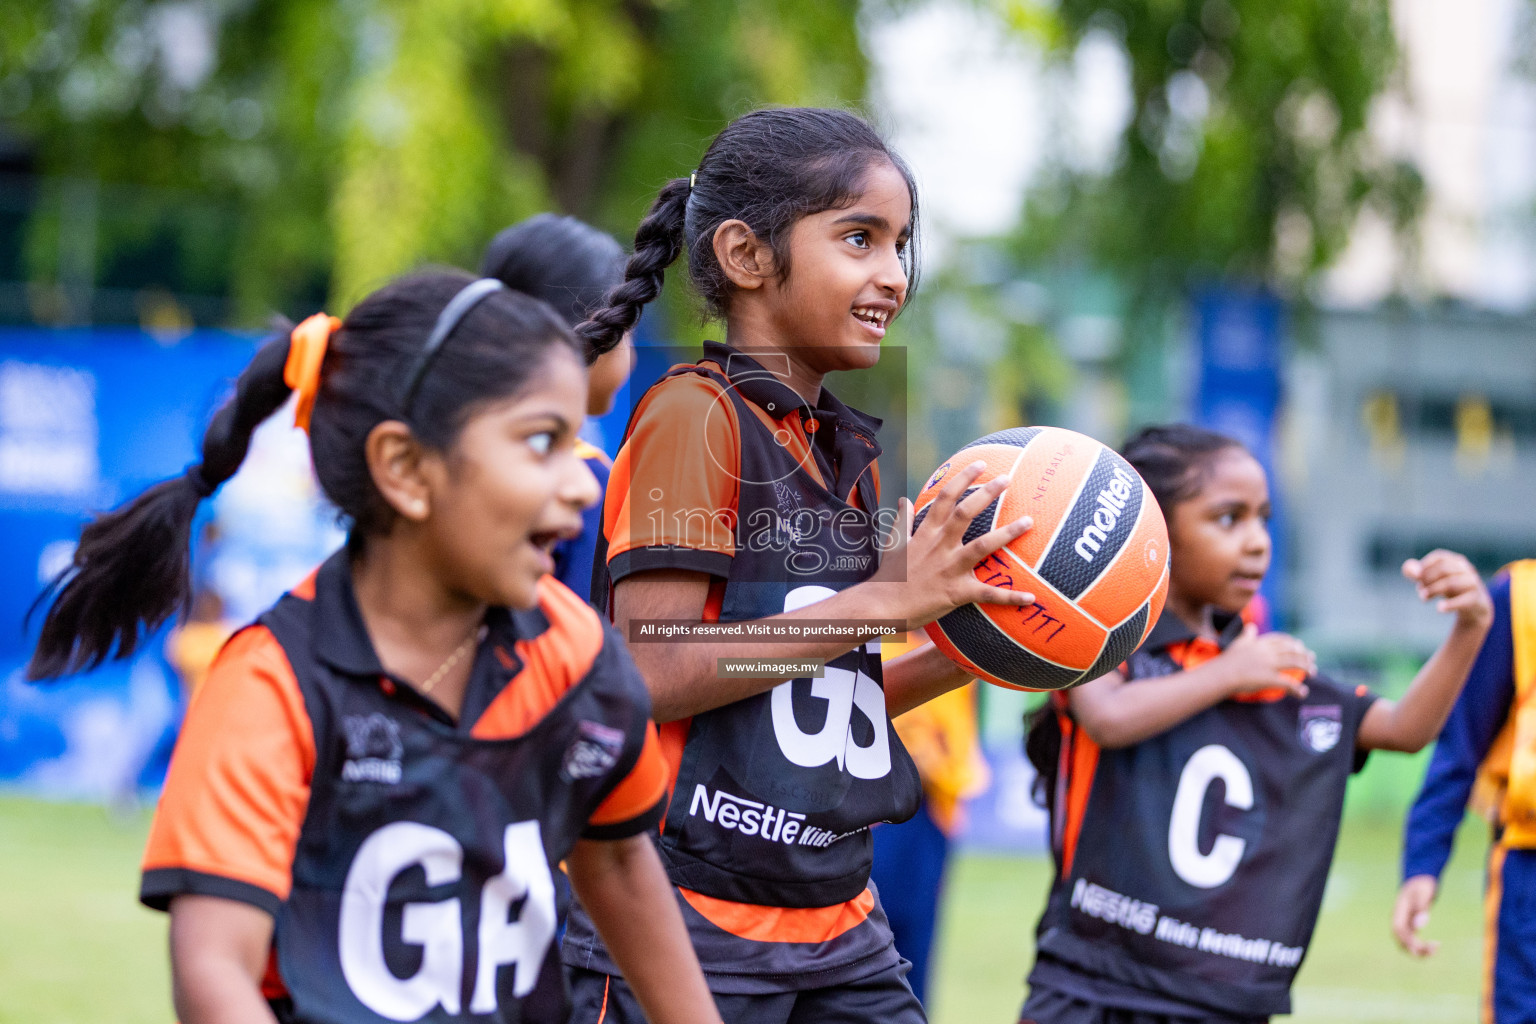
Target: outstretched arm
{"points": [[624, 889], [1469, 733], [1116, 713], [1411, 722]]}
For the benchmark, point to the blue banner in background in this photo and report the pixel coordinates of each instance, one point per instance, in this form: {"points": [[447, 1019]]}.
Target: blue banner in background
{"points": [[653, 358], [89, 418], [1240, 342], [1004, 818]]}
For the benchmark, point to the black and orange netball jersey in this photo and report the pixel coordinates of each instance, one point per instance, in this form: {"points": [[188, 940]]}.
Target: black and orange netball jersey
{"points": [[406, 857], [727, 471], [1192, 864]]}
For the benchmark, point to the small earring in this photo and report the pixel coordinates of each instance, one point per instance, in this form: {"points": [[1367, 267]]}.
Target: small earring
{"points": [[420, 508]]}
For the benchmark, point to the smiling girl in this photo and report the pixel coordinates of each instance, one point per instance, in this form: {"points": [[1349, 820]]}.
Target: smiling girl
{"points": [[746, 493], [373, 783], [1195, 793]]}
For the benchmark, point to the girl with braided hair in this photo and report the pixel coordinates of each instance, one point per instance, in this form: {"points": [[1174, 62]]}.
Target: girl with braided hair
{"points": [[746, 495], [373, 784]]}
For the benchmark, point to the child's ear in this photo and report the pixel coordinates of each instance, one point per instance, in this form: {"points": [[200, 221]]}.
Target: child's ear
{"points": [[396, 461], [746, 259]]}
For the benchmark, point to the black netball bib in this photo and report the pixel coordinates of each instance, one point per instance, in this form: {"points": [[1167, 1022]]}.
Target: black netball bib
{"points": [[776, 793], [1199, 869], [422, 880]]}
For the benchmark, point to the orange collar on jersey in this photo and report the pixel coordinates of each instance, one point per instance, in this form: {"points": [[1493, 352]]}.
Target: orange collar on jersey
{"points": [[342, 643], [1170, 629], [760, 376], [306, 351], [1186, 649]]}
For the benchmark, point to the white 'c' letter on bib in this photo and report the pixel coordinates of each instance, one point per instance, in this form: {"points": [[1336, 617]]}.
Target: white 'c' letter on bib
{"points": [[1207, 870]]}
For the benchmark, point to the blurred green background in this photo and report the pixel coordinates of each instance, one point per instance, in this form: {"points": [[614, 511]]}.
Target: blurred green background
{"points": [[214, 162]]}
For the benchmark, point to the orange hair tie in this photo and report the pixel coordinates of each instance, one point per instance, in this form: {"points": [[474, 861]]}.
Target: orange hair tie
{"points": [[306, 351]]}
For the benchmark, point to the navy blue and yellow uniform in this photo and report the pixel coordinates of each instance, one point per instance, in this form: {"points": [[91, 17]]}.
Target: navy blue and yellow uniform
{"points": [[406, 857], [727, 471], [1191, 865], [573, 556], [1475, 761]]}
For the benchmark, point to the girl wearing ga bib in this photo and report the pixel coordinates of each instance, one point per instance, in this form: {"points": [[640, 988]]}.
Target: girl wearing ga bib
{"points": [[375, 782]]}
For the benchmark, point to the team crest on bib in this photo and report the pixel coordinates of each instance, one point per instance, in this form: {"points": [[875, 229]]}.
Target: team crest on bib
{"points": [[1321, 725], [595, 751], [373, 749]]}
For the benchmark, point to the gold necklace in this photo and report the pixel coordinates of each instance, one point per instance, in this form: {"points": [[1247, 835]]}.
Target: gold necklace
{"points": [[453, 659]]}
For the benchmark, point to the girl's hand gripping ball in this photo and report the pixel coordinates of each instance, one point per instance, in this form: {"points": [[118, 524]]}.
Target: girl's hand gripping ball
{"points": [[1096, 561]]}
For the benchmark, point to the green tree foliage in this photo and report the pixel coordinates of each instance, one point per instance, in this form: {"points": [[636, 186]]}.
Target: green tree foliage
{"points": [[333, 145], [1247, 155]]}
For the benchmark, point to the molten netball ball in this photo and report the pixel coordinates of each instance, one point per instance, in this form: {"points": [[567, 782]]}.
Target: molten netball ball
{"points": [[1096, 560]]}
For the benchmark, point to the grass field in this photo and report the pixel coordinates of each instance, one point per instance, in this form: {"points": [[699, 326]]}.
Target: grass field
{"points": [[75, 947]]}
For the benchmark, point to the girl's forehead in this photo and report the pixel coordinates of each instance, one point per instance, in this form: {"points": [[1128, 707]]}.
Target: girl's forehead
{"points": [[559, 384], [886, 188], [1232, 470]]}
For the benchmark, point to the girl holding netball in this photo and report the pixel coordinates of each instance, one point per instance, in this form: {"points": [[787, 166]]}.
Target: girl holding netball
{"points": [[1196, 793], [373, 785], [745, 494]]}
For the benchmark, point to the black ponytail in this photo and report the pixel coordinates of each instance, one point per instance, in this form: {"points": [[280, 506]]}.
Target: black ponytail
{"points": [[768, 169], [132, 571], [132, 568], [1042, 748]]}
